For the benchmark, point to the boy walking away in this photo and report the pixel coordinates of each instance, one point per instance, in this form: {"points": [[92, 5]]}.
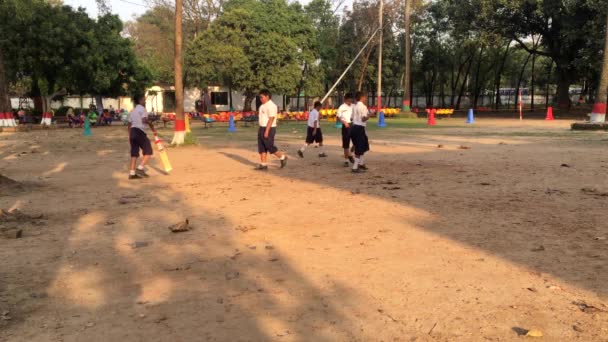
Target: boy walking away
{"points": [[345, 113], [358, 135], [313, 132], [139, 139], [267, 113]]}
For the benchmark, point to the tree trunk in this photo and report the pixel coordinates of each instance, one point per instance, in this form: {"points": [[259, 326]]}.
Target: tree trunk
{"points": [[408, 58], [499, 76], [5, 100], [521, 75], [564, 80], [455, 82], [248, 98], [230, 98], [362, 75], [464, 83], [598, 114], [477, 86], [180, 123], [548, 79], [99, 103]]}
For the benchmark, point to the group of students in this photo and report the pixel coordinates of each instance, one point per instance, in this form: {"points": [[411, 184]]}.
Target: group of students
{"points": [[353, 117], [105, 118], [354, 120]]}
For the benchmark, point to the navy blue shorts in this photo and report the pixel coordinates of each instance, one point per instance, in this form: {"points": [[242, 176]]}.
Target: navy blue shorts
{"points": [[266, 145], [310, 138], [360, 141], [139, 140], [345, 137]]}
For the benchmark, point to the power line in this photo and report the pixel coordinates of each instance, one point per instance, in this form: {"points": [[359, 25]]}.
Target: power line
{"points": [[136, 4]]}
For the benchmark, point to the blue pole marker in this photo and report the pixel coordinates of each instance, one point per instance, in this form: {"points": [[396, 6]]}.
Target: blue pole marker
{"points": [[87, 127], [338, 123], [381, 122], [231, 127], [470, 117]]}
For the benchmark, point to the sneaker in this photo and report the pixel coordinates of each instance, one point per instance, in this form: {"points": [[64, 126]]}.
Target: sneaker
{"points": [[141, 173], [346, 164], [135, 176], [284, 162], [357, 170], [351, 159], [322, 155], [300, 154], [363, 167], [261, 167]]}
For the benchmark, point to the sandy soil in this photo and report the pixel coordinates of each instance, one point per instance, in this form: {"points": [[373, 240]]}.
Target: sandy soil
{"points": [[432, 244]]}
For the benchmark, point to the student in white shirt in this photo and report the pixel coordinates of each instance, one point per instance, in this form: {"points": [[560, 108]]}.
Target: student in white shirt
{"points": [[313, 131], [268, 127], [358, 134], [345, 112], [138, 138]]}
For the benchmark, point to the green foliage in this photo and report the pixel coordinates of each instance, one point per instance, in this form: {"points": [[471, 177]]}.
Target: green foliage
{"points": [[254, 44], [58, 47]]}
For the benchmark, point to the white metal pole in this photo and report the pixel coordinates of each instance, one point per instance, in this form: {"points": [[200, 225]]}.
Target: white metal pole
{"points": [[350, 65]]}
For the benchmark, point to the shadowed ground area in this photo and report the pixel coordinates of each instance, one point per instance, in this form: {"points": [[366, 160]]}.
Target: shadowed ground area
{"points": [[457, 233]]}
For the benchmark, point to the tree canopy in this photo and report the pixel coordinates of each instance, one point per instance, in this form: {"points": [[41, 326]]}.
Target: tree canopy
{"points": [[59, 48]]}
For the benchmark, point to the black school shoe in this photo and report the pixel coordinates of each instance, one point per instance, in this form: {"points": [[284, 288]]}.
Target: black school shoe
{"points": [[358, 170], [322, 155], [284, 162], [135, 176], [261, 167], [346, 164], [363, 167], [300, 154]]}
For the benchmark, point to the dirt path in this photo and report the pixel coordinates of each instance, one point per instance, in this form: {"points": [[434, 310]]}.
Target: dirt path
{"points": [[433, 244]]}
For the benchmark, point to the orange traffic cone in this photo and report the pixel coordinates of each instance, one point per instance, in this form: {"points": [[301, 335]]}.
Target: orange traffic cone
{"points": [[549, 113]]}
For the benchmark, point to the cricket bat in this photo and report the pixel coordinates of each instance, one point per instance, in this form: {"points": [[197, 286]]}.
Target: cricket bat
{"points": [[164, 158]]}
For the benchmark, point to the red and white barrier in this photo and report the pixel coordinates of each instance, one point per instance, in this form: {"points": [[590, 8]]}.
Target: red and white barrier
{"points": [[598, 113], [46, 119]]}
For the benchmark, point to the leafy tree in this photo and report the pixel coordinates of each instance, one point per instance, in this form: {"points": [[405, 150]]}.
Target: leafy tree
{"points": [[152, 35], [570, 31], [61, 49], [252, 45]]}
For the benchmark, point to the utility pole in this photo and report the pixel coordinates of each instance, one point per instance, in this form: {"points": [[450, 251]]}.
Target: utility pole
{"points": [[408, 58], [180, 123], [379, 90]]}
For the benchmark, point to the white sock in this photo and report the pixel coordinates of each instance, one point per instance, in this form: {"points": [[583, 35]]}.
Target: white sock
{"points": [[140, 167], [282, 157], [321, 149], [132, 172], [356, 164], [263, 164], [361, 161], [304, 147]]}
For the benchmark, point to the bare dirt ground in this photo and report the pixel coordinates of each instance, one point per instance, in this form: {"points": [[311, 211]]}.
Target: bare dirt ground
{"points": [[502, 229]]}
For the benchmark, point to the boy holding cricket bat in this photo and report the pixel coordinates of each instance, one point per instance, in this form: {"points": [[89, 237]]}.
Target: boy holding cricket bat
{"points": [[138, 138]]}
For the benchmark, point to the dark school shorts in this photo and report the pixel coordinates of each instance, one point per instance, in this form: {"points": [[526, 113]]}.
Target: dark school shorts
{"points": [[359, 138], [345, 137], [266, 145], [310, 138], [139, 140]]}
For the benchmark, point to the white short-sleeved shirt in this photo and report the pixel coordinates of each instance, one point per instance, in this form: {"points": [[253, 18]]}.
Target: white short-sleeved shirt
{"points": [[345, 112], [312, 117], [266, 111], [137, 115], [359, 113]]}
